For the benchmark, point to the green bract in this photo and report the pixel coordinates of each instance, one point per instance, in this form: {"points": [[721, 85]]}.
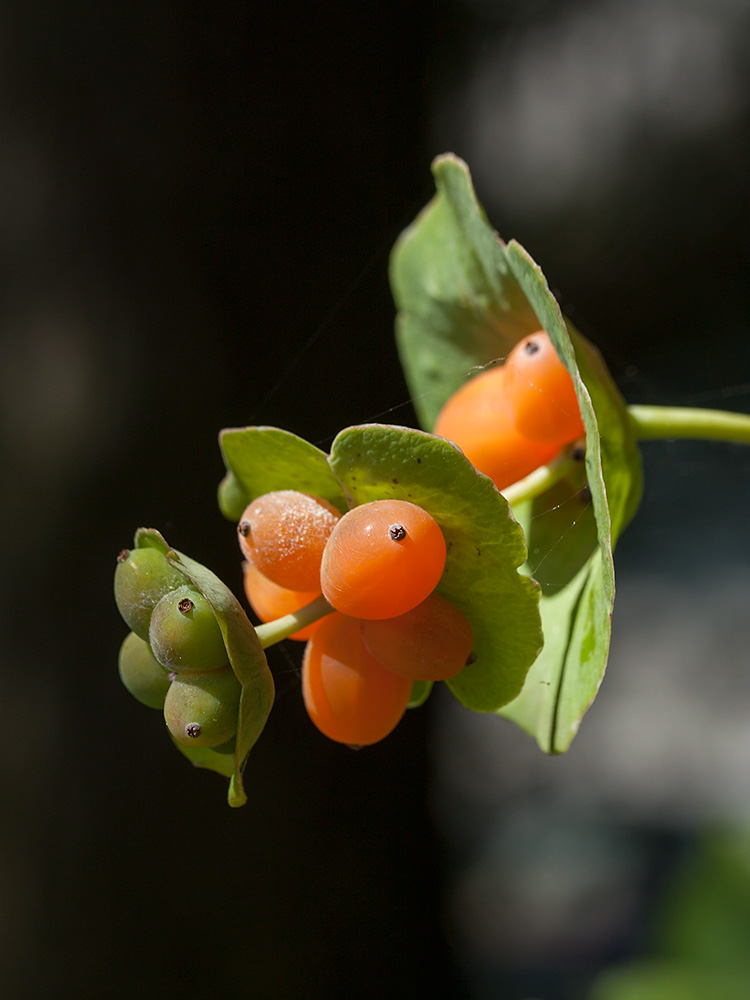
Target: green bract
{"points": [[184, 633], [464, 299]]}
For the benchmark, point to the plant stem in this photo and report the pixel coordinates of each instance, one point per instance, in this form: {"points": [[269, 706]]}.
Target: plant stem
{"points": [[281, 628], [540, 480], [650, 422]]}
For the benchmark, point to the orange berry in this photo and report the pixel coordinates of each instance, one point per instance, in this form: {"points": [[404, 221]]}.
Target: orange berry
{"points": [[270, 601], [348, 695], [541, 392], [432, 642], [478, 418], [382, 559], [284, 533]]}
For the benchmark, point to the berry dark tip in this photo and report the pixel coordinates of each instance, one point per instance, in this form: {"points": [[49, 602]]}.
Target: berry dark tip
{"points": [[172, 676], [185, 606], [193, 730], [243, 528], [397, 532], [531, 346], [123, 555]]}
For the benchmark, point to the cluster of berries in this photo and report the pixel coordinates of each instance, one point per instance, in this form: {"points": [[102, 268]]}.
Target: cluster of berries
{"points": [[377, 566], [174, 657], [515, 417]]}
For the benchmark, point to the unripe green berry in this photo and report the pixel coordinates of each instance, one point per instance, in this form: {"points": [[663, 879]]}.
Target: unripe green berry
{"points": [[142, 578], [201, 710], [144, 677], [184, 632]]}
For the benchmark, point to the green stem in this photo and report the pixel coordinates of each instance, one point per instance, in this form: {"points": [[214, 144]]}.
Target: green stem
{"points": [[540, 480], [651, 422], [281, 628]]}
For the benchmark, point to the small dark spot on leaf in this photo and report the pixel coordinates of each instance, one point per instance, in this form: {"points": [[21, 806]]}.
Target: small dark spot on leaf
{"points": [[394, 480], [479, 551], [185, 606], [419, 461], [193, 730], [471, 658]]}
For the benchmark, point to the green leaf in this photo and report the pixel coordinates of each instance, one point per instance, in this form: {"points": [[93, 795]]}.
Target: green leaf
{"points": [[464, 299], [560, 530], [571, 672], [485, 547], [459, 304], [263, 459], [613, 461], [250, 667]]}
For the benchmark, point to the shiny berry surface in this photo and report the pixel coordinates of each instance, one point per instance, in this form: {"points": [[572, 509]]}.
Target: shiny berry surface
{"points": [[432, 642], [348, 695], [478, 418], [541, 393], [382, 559]]}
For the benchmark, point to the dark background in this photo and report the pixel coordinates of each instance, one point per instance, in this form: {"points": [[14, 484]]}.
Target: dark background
{"points": [[197, 208]]}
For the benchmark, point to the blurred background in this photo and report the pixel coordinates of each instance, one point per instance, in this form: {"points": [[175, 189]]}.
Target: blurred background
{"points": [[196, 210]]}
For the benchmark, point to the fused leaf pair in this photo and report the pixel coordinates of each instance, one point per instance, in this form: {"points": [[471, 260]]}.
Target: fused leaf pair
{"points": [[465, 299]]}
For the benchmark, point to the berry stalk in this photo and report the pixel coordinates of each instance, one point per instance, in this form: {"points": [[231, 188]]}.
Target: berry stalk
{"points": [[281, 628], [541, 479], [653, 422]]}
